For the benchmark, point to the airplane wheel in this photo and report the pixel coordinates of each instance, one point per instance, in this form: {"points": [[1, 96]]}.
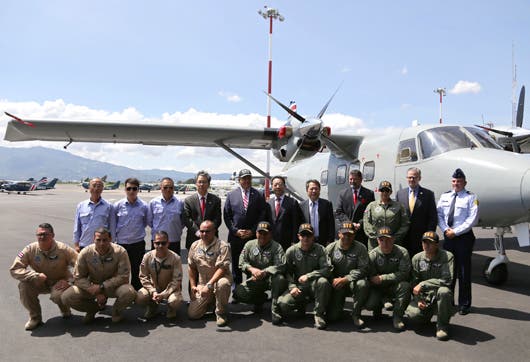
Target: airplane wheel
{"points": [[498, 275]]}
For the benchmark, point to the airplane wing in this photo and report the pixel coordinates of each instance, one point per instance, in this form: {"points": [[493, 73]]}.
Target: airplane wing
{"points": [[146, 134]]}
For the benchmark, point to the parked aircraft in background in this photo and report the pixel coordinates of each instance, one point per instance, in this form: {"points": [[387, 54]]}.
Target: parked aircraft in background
{"points": [[22, 187], [47, 185], [312, 151], [108, 185]]}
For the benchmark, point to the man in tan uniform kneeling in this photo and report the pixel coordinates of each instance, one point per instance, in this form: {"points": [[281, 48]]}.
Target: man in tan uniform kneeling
{"points": [[209, 272], [43, 267], [161, 278], [102, 271]]}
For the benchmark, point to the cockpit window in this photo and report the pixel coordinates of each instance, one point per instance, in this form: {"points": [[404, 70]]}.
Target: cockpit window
{"points": [[436, 141], [483, 137]]}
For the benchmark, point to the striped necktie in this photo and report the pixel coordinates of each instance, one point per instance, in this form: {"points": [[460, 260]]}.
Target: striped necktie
{"points": [[245, 199]]}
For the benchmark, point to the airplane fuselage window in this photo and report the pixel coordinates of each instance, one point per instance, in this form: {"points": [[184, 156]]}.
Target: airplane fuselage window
{"points": [[341, 174], [324, 178], [483, 138], [369, 171], [436, 141], [354, 166], [407, 151]]}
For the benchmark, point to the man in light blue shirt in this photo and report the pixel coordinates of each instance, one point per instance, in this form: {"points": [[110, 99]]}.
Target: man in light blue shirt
{"points": [[92, 214], [164, 215], [131, 220]]}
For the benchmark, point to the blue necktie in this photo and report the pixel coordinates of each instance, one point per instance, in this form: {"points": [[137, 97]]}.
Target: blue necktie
{"points": [[451, 216]]}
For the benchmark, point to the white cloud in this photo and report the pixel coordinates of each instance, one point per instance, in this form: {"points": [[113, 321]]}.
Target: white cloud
{"points": [[404, 70], [464, 86], [230, 97]]}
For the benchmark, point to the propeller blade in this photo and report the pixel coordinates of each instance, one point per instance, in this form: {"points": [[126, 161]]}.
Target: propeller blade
{"points": [[287, 109], [504, 133], [323, 110], [331, 145], [520, 109]]}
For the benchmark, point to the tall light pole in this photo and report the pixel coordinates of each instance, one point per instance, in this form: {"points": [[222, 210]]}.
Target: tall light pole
{"points": [[442, 92], [270, 14]]}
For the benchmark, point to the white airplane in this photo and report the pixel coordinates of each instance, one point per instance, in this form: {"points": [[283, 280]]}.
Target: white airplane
{"points": [[514, 138], [501, 179]]}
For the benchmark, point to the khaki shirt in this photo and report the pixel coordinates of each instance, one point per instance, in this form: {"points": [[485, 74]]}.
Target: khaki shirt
{"points": [[55, 263], [161, 275], [268, 258], [112, 269], [205, 260], [393, 267], [352, 263]]}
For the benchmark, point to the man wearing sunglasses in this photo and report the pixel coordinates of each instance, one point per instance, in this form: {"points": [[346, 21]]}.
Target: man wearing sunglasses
{"points": [[385, 212], [161, 277], [131, 219], [43, 267], [164, 213]]}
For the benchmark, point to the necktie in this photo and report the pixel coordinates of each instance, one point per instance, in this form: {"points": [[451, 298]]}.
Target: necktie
{"points": [[314, 218], [245, 199], [277, 207], [412, 200], [203, 205], [355, 197], [451, 216]]}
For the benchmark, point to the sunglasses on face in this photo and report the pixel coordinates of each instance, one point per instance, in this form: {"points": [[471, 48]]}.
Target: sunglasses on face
{"points": [[132, 188], [205, 231], [167, 187], [160, 243]]}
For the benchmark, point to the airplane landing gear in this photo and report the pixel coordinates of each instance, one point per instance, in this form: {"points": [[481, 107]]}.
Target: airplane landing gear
{"points": [[496, 269]]}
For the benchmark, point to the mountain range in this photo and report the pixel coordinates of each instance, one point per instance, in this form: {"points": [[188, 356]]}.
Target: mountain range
{"points": [[36, 162]]}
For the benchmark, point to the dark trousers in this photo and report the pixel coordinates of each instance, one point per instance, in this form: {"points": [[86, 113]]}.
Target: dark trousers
{"points": [[136, 252], [236, 246], [462, 248]]}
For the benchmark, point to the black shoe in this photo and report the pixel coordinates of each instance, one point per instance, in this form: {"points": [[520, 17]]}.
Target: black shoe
{"points": [[464, 310]]}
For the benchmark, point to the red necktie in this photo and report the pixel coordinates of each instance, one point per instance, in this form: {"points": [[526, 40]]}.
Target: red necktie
{"points": [[203, 205], [277, 207], [354, 197]]}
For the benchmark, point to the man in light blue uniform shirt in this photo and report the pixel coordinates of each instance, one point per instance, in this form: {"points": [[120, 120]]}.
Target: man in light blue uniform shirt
{"points": [[457, 214], [131, 220], [165, 213], [92, 214]]}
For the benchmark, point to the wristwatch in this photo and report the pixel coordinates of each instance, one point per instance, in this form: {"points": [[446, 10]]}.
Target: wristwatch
{"points": [[209, 286]]}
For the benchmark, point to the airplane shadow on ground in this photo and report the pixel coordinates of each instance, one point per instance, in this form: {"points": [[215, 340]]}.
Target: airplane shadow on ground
{"points": [[458, 333]]}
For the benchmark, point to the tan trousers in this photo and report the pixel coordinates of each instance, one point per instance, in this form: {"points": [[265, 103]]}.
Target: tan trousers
{"points": [[143, 298], [29, 297], [85, 302], [221, 293]]}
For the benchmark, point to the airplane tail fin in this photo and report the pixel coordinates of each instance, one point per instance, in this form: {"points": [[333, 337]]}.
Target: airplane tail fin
{"points": [[51, 184]]}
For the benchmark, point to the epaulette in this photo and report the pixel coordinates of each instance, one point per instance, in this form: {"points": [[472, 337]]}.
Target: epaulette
{"points": [[448, 191]]}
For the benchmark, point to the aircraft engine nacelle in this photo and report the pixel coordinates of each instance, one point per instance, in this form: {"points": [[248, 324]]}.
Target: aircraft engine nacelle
{"points": [[308, 147]]}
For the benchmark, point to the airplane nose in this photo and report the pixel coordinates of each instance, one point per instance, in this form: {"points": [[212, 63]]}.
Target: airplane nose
{"points": [[525, 190]]}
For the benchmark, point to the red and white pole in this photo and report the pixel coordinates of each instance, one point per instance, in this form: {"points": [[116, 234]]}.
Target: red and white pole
{"points": [[440, 91]]}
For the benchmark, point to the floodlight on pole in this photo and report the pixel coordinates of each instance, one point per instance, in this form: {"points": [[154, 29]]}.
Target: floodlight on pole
{"points": [[441, 92], [270, 14]]}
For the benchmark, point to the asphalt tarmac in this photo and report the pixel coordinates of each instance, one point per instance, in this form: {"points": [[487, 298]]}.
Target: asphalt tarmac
{"points": [[497, 329]]}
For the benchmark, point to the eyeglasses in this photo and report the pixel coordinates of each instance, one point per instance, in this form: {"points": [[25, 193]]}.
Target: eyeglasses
{"points": [[42, 235], [167, 187], [205, 231], [160, 243], [412, 177], [132, 188]]}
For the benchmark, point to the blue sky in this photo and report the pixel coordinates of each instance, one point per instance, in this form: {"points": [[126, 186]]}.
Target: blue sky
{"points": [[206, 61]]}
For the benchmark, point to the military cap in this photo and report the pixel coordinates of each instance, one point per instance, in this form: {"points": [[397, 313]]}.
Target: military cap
{"points": [[430, 236], [385, 185], [459, 174], [305, 229], [347, 227], [244, 173], [384, 232], [264, 226]]}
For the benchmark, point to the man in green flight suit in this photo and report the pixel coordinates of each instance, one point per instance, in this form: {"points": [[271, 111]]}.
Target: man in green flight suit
{"points": [[389, 277], [307, 269], [432, 273], [261, 259], [350, 266]]}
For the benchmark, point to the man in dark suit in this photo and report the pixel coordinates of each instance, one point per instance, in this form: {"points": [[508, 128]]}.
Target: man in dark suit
{"points": [[200, 207], [352, 202], [420, 205], [319, 213], [285, 214], [244, 208]]}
